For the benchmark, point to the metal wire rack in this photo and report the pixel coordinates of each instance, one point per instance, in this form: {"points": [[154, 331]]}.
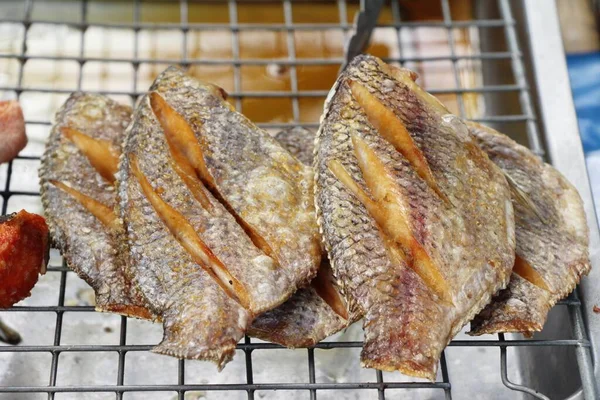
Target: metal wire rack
{"points": [[56, 350]]}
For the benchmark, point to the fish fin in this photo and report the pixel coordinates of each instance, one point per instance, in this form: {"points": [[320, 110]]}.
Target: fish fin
{"points": [[523, 198], [191, 333]]}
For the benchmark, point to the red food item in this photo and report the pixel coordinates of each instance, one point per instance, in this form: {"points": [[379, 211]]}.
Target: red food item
{"points": [[24, 252], [12, 130]]}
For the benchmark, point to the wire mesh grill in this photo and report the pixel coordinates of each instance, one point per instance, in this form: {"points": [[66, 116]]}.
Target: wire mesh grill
{"points": [[56, 348]]}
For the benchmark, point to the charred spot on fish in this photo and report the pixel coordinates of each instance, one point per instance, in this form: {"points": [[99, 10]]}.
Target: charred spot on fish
{"points": [[190, 157], [393, 130], [527, 272], [386, 207], [186, 235], [102, 212], [100, 153]]}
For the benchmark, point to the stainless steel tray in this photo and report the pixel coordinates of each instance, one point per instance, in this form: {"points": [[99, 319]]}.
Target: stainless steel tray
{"points": [[514, 77]]}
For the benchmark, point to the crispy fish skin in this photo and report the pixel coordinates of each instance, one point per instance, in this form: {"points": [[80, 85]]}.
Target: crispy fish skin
{"points": [[87, 244], [270, 191], [554, 243], [459, 216]]}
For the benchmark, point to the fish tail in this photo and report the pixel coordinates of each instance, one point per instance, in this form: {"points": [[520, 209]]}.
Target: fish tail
{"points": [[407, 333], [521, 307], [188, 334]]}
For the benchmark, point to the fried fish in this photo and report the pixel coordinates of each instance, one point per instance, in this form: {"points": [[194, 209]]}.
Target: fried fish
{"points": [[417, 221], [219, 217], [551, 233], [76, 177]]}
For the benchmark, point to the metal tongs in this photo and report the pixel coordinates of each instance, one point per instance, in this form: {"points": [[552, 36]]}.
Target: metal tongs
{"points": [[365, 21]]}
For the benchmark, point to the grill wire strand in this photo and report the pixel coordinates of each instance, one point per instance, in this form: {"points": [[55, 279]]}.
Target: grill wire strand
{"points": [[378, 384]]}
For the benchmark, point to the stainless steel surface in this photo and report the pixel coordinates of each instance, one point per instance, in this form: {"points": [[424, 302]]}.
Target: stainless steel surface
{"points": [[566, 153], [71, 352]]}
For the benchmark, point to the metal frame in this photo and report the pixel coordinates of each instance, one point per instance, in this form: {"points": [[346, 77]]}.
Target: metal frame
{"points": [[552, 112]]}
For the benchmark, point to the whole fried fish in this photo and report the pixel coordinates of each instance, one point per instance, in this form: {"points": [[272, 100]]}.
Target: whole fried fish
{"points": [[417, 221], [315, 312], [552, 238], [76, 178], [219, 218]]}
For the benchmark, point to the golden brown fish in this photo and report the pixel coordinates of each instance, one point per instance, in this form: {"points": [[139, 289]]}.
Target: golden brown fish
{"points": [[219, 217], [416, 219], [76, 176], [552, 238]]}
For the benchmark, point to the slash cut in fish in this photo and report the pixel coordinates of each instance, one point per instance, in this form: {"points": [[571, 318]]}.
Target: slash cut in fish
{"points": [[552, 238], [416, 219], [218, 217], [76, 177]]}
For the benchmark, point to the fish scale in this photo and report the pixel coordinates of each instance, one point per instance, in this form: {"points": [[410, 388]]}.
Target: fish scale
{"points": [[246, 164], [523, 306], [306, 318], [219, 264], [199, 319], [407, 324]]}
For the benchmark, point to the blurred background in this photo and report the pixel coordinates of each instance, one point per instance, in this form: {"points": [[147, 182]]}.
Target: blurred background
{"points": [[579, 26]]}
